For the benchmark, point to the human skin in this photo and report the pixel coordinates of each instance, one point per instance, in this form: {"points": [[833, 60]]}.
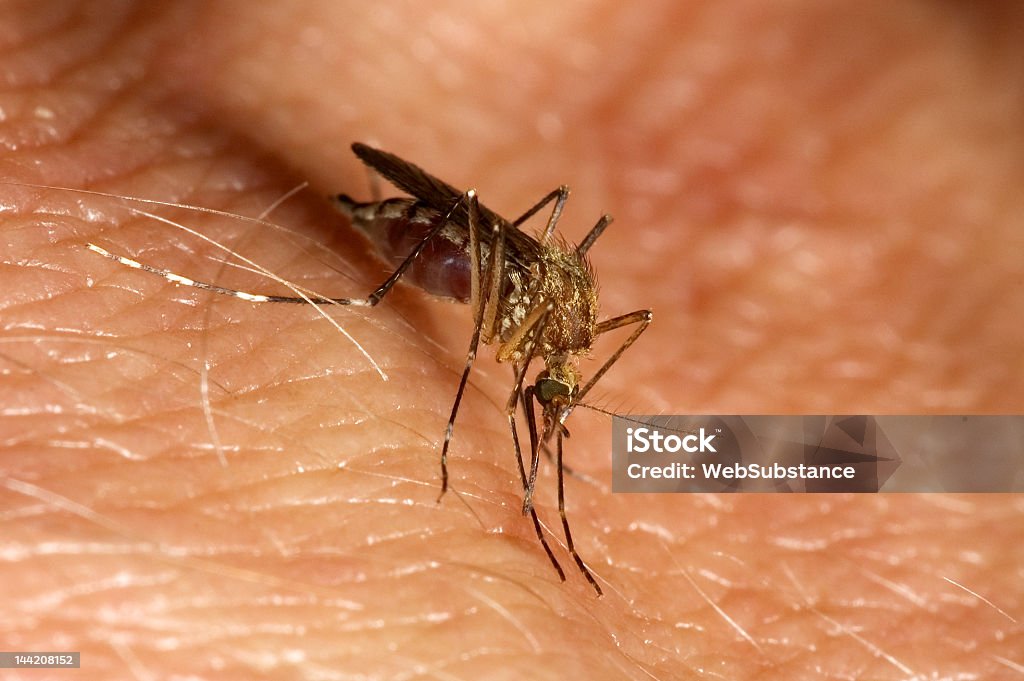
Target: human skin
{"points": [[822, 208]]}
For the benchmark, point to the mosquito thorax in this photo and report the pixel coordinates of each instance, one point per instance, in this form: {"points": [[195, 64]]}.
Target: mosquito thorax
{"points": [[567, 279]]}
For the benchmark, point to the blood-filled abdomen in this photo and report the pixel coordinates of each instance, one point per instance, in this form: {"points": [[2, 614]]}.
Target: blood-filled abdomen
{"points": [[397, 226]]}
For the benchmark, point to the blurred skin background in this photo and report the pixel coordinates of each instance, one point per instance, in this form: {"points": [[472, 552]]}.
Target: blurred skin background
{"points": [[819, 202]]}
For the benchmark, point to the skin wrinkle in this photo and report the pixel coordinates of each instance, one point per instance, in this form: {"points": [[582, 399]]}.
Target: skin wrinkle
{"points": [[356, 567]]}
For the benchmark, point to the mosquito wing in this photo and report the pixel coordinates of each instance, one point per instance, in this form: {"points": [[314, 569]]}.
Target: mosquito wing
{"points": [[441, 196]]}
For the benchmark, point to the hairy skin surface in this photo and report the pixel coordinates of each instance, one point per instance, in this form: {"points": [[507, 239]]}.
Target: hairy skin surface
{"points": [[821, 203]]}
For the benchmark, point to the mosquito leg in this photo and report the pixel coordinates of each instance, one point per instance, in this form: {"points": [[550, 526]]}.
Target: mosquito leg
{"points": [[474, 342], [593, 234], [530, 483], [483, 311], [510, 409], [494, 281], [370, 301], [640, 317], [519, 374], [565, 521], [533, 511], [185, 281], [450, 428], [569, 470], [559, 196], [510, 413]]}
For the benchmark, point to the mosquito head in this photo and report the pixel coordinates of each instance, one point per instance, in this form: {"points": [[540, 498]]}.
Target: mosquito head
{"points": [[552, 391], [556, 386], [555, 390]]}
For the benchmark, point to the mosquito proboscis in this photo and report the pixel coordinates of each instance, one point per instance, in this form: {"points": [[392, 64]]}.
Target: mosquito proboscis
{"points": [[532, 297]]}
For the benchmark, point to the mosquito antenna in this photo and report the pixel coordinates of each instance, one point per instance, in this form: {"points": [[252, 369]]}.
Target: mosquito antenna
{"points": [[626, 417]]}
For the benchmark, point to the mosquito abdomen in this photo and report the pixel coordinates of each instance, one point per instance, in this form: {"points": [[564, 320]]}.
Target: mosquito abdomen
{"points": [[397, 226]]}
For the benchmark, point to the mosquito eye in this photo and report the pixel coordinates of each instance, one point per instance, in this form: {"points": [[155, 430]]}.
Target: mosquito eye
{"points": [[547, 389]]}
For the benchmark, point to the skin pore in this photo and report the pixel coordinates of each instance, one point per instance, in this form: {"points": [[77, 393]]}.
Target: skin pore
{"points": [[821, 206]]}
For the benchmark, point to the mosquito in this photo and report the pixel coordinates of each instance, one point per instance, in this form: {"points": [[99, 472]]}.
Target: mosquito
{"points": [[534, 297]]}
